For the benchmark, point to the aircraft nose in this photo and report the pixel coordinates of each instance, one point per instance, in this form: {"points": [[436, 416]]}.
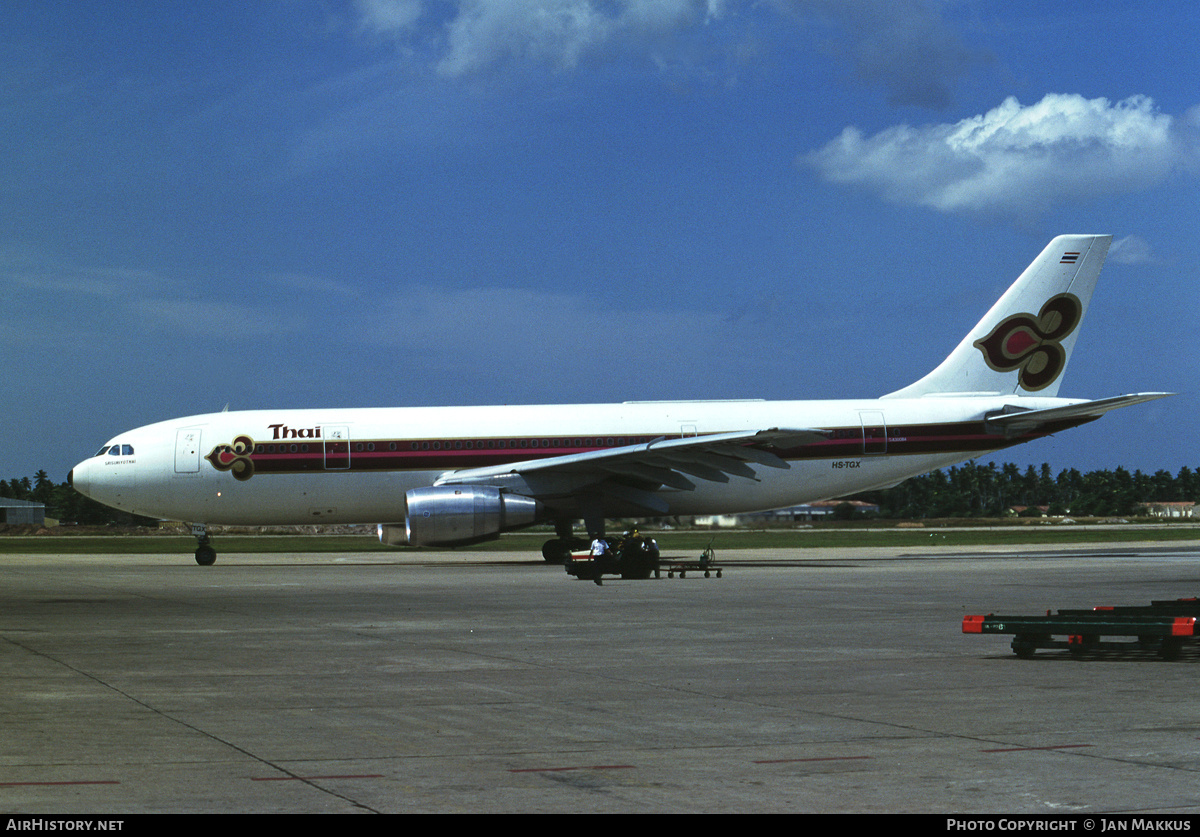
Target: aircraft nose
{"points": [[78, 479]]}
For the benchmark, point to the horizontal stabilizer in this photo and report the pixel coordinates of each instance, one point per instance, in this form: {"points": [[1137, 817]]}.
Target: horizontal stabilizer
{"points": [[1026, 420]]}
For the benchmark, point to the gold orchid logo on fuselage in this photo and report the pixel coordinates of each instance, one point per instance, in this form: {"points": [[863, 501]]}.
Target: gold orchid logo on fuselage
{"points": [[234, 458], [1033, 344]]}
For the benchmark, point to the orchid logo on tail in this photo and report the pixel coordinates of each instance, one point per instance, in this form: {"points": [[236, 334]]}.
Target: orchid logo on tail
{"points": [[1033, 344]]}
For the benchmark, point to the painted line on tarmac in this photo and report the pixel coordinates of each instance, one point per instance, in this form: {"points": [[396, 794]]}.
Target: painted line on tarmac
{"points": [[565, 769], [1028, 749], [823, 758], [314, 778], [54, 784]]}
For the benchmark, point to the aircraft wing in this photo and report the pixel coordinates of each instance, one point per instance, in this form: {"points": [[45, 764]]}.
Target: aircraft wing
{"points": [[631, 473], [1023, 421]]}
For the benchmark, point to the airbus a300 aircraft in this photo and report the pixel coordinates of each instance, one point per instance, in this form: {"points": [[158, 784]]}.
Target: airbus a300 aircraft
{"points": [[456, 475]]}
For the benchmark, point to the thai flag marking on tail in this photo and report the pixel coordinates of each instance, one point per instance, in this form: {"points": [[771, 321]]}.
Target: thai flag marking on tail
{"points": [[1069, 258]]}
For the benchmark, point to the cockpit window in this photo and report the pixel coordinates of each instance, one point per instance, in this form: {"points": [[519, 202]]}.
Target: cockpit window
{"points": [[126, 450], [102, 451], [115, 450]]}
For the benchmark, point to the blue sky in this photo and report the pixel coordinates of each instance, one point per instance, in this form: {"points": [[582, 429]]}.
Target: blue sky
{"points": [[409, 202]]}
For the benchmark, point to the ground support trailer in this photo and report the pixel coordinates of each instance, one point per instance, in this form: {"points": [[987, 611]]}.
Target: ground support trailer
{"points": [[1161, 627], [706, 563]]}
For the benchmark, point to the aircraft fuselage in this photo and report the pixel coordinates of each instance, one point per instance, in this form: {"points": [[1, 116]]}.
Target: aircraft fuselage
{"points": [[281, 467]]}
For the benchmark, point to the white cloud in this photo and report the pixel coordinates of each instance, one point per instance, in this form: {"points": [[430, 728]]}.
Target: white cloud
{"points": [[1014, 158], [486, 31], [389, 16], [905, 47], [481, 33], [558, 31]]}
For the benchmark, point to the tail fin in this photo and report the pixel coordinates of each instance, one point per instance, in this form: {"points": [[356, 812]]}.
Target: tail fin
{"points": [[1022, 345]]}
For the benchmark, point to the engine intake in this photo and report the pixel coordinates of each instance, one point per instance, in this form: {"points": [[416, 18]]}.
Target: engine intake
{"points": [[457, 514]]}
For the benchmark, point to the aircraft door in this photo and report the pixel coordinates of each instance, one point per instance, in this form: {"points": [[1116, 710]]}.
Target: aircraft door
{"points": [[874, 432], [187, 450], [337, 448]]}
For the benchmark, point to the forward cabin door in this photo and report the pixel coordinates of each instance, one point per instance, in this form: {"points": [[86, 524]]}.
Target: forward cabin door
{"points": [[187, 450]]}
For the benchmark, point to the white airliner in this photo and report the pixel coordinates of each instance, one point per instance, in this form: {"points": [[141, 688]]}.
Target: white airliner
{"points": [[455, 475]]}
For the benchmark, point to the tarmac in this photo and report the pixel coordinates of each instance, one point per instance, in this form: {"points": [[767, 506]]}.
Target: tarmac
{"points": [[799, 681]]}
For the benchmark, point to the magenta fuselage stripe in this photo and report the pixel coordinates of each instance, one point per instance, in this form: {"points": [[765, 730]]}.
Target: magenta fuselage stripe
{"points": [[428, 454]]}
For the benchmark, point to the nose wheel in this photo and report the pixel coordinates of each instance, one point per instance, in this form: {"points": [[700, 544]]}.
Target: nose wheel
{"points": [[206, 555]]}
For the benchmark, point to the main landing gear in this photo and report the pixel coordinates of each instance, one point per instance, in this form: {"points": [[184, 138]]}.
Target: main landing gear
{"points": [[206, 555], [558, 550]]}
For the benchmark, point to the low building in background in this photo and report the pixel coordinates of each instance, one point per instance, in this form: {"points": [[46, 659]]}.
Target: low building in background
{"points": [[21, 512]]}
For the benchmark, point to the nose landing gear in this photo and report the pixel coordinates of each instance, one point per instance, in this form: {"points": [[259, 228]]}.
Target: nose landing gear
{"points": [[206, 555]]}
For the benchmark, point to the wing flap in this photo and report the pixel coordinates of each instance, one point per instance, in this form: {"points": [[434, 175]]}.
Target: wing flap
{"points": [[650, 473]]}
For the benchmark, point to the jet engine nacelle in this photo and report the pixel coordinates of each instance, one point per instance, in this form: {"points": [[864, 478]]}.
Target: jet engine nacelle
{"points": [[456, 514]]}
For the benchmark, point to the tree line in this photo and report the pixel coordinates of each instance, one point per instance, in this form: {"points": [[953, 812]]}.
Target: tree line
{"points": [[967, 490], [975, 490]]}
